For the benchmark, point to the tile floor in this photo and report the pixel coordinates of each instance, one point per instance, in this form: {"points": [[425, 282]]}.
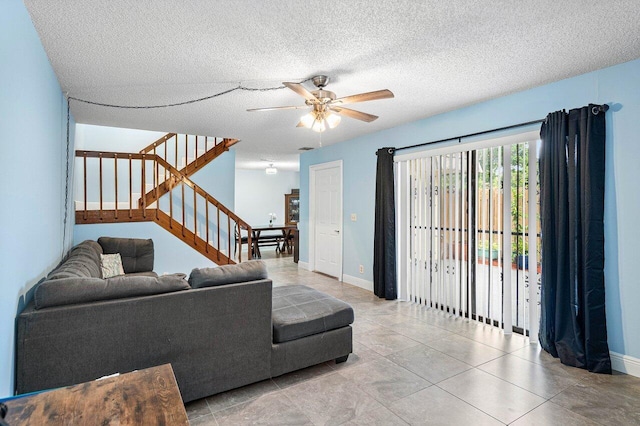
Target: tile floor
{"points": [[411, 365]]}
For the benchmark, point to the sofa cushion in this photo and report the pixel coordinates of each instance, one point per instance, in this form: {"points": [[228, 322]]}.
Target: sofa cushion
{"points": [[111, 265], [227, 274], [67, 291], [137, 254], [147, 274], [300, 311], [82, 261]]}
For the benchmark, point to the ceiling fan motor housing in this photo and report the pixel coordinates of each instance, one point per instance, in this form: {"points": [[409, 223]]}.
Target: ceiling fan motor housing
{"points": [[323, 96], [320, 81]]}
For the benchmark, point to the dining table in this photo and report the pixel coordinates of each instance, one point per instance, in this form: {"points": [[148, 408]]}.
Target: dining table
{"points": [[287, 234]]}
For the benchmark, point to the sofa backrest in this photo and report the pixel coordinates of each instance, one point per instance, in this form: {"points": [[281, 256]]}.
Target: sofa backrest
{"points": [[136, 253], [83, 261], [227, 274]]}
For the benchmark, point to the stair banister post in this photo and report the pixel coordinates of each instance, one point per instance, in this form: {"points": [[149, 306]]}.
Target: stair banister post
{"points": [[218, 226], [100, 211], [195, 216], [155, 180], [115, 172], [130, 187], [183, 216], [143, 184], [206, 208], [171, 202], [228, 238], [175, 159], [157, 185], [84, 160], [165, 159]]}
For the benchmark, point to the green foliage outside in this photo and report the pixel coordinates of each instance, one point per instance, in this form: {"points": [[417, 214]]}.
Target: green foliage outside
{"points": [[490, 173]]}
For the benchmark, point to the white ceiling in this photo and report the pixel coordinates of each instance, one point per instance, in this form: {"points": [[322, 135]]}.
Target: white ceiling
{"points": [[435, 56]]}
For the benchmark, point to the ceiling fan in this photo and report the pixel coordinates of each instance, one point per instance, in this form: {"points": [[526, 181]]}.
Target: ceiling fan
{"points": [[326, 108]]}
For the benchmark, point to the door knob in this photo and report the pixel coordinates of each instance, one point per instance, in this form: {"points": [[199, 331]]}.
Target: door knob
{"points": [[336, 230]]}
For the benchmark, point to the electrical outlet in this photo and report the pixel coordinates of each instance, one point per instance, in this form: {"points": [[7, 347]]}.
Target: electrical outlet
{"points": [[354, 217], [361, 269]]}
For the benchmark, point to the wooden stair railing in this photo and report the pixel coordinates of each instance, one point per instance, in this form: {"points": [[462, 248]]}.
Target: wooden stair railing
{"points": [[188, 211], [175, 149]]}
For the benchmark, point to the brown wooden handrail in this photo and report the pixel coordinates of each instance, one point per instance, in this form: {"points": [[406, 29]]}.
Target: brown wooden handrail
{"points": [[103, 154], [157, 143], [227, 142]]}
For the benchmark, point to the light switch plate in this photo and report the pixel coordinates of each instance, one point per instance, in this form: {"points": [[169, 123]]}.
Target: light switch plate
{"points": [[354, 217]]}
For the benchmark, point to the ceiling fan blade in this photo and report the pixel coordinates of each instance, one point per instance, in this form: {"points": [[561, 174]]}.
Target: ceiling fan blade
{"points": [[363, 97], [300, 90], [281, 107], [351, 113]]}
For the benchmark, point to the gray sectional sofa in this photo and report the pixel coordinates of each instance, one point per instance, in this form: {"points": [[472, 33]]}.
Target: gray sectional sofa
{"points": [[223, 329]]}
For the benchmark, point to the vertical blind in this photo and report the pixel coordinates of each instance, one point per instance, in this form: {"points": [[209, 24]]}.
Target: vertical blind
{"points": [[464, 242]]}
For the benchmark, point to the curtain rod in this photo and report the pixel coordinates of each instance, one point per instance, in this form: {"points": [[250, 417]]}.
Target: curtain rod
{"points": [[471, 134], [596, 110]]}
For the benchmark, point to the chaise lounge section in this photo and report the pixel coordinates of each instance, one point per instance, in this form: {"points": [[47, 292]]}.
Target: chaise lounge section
{"points": [[309, 327]]}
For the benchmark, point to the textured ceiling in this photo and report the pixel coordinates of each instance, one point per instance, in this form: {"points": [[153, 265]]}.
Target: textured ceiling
{"points": [[434, 55]]}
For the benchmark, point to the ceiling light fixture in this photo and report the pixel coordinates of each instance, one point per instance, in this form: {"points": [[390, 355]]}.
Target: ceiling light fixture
{"points": [[320, 119], [271, 170]]}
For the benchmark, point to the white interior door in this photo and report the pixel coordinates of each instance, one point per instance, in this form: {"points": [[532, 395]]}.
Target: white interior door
{"points": [[328, 221]]}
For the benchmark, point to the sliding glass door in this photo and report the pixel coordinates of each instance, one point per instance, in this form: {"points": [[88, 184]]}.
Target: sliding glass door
{"points": [[464, 242]]}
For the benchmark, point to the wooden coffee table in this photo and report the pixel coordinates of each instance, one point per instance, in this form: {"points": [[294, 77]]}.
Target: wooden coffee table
{"points": [[144, 397]]}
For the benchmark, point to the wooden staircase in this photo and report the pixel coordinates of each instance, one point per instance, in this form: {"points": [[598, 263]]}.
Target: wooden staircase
{"points": [[154, 186]]}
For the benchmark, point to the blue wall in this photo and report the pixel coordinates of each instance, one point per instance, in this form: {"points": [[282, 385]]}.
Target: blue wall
{"points": [[171, 254], [618, 86], [33, 146]]}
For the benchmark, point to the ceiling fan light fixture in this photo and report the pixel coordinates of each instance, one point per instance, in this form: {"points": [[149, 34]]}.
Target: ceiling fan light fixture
{"points": [[271, 170], [318, 125], [308, 119], [332, 120]]}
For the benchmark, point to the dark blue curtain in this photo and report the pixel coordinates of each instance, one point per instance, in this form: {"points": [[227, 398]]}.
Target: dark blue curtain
{"points": [[572, 167], [384, 240]]}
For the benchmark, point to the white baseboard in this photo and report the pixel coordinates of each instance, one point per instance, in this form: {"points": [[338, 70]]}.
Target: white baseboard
{"points": [[303, 265], [358, 282], [625, 364]]}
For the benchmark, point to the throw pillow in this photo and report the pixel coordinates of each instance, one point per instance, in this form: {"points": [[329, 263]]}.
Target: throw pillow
{"points": [[111, 265]]}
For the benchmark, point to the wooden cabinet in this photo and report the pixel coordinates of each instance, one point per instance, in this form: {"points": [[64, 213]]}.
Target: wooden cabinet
{"points": [[292, 208]]}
